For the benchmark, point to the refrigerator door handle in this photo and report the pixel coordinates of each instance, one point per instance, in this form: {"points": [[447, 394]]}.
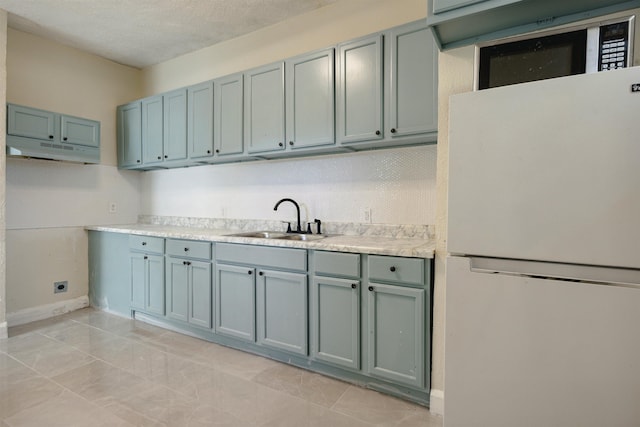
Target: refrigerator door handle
{"points": [[609, 276]]}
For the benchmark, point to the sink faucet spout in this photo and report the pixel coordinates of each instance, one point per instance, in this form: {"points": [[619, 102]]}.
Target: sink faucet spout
{"points": [[275, 208]]}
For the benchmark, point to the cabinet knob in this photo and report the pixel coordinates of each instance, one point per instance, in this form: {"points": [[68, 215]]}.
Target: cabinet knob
{"points": [[377, 132], [392, 269], [186, 262], [65, 138], [353, 286], [159, 158], [208, 151], [166, 157], [280, 144], [50, 136], [137, 161], [290, 142], [249, 272], [144, 243], [393, 130], [186, 249], [217, 150], [261, 273], [371, 288], [145, 257]]}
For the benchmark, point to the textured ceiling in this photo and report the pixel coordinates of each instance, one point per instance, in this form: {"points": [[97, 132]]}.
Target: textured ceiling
{"points": [[140, 33]]}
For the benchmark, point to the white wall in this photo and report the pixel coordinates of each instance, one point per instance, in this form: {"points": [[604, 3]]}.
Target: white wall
{"points": [[49, 203]]}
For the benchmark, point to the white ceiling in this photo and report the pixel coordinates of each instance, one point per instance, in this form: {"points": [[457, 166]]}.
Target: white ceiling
{"points": [[140, 33]]}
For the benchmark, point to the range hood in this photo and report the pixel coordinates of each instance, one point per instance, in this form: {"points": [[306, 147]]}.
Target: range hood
{"points": [[37, 149]]}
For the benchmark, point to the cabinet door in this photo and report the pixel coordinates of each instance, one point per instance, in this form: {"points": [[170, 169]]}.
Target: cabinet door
{"points": [[175, 125], [235, 299], [282, 310], [155, 285], [152, 130], [200, 294], [440, 6], [177, 284], [310, 100], [264, 108], [335, 321], [396, 348], [75, 130], [228, 125], [129, 135], [200, 120], [30, 122], [413, 90], [360, 90], [138, 276]]}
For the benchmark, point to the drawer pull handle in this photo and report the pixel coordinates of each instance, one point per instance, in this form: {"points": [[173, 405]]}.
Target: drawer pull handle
{"points": [[186, 249], [145, 257], [371, 288], [392, 269], [186, 262], [353, 286], [144, 243]]}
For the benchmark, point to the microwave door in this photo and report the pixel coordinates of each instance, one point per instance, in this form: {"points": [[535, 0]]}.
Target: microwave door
{"points": [[527, 60]]}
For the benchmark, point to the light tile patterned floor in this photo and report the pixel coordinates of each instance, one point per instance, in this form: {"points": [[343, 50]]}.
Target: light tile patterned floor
{"points": [[90, 368]]}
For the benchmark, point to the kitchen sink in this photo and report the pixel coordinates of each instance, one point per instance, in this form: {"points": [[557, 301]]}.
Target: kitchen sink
{"points": [[278, 235]]}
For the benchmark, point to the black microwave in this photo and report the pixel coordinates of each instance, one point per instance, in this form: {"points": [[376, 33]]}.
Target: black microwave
{"points": [[576, 50]]}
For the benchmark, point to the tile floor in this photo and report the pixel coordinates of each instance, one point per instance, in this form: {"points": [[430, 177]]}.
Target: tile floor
{"points": [[90, 368]]}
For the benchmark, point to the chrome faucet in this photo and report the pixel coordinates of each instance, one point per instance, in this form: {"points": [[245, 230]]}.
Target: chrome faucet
{"points": [[298, 227]]}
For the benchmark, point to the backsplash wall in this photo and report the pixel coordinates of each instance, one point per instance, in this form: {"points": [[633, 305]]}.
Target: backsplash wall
{"points": [[397, 185]]}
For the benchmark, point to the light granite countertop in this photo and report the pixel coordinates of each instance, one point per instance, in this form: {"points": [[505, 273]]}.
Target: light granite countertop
{"points": [[422, 247]]}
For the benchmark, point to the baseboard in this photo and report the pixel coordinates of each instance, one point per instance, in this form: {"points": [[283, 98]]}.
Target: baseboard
{"points": [[46, 311], [436, 402], [4, 330]]}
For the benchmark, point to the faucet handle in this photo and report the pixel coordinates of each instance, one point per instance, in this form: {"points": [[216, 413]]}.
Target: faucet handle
{"points": [[319, 226], [288, 226], [309, 228]]}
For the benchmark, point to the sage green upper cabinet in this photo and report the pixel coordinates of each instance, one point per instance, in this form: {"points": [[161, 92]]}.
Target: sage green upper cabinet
{"points": [[440, 6], [359, 110], [228, 137], [74, 130], [264, 108], [463, 22], [129, 118], [152, 130], [200, 120], [310, 100], [175, 125], [412, 82], [30, 122]]}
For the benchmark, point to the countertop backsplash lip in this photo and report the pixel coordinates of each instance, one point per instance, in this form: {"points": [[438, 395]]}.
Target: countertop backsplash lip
{"points": [[397, 231]]}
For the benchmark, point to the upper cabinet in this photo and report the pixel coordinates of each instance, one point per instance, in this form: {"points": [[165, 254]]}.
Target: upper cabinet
{"points": [[387, 90], [129, 127], [374, 92], [264, 108], [463, 22]]}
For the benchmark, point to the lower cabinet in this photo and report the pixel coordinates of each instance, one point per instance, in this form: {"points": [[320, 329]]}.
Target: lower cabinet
{"points": [[264, 290], [188, 282], [146, 261], [395, 317]]}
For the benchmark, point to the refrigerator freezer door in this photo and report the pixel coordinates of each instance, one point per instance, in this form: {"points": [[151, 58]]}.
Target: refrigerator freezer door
{"points": [[533, 352], [548, 170]]}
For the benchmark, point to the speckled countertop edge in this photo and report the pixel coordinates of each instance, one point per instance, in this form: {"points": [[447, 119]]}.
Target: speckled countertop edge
{"points": [[376, 245]]}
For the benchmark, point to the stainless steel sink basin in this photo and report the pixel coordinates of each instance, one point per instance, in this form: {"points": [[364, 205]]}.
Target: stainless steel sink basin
{"points": [[260, 234], [278, 235]]}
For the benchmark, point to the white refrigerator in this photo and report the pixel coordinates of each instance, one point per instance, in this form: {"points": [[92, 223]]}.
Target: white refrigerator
{"points": [[543, 273]]}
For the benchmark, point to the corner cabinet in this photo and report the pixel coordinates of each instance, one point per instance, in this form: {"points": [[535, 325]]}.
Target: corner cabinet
{"points": [[458, 23]]}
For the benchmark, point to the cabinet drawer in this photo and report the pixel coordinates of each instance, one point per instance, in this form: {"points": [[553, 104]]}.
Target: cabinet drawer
{"points": [[189, 249], [337, 264], [146, 244], [396, 269], [285, 258]]}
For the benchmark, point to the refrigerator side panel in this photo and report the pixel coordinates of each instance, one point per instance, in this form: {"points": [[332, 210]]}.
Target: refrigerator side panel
{"points": [[534, 352], [548, 170]]}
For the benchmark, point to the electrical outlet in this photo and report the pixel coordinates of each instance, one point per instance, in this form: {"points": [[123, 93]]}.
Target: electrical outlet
{"points": [[113, 207], [366, 215], [60, 286]]}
